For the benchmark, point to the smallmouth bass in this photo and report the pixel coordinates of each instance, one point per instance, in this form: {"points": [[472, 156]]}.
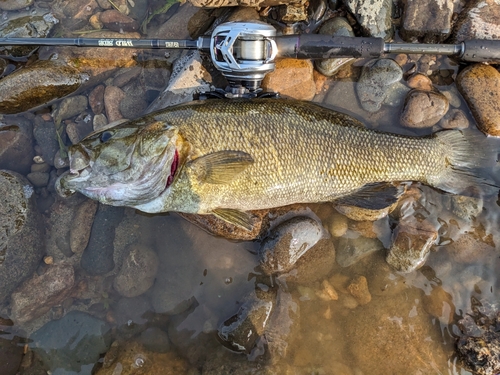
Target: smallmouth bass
{"points": [[227, 157]]}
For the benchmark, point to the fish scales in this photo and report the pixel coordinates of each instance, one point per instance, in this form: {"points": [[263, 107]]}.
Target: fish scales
{"points": [[302, 154]]}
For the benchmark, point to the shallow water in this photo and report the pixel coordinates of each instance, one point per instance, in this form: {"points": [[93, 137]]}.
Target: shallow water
{"points": [[391, 334]]}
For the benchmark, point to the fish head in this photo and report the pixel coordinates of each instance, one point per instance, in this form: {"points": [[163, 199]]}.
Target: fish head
{"points": [[125, 165]]}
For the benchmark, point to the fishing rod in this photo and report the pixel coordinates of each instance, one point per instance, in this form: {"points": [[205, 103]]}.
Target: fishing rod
{"points": [[245, 52]]}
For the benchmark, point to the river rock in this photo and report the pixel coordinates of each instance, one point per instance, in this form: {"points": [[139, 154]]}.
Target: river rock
{"points": [[455, 119], [480, 86], [131, 107], [25, 26], [96, 99], [411, 245], [117, 21], [75, 14], [38, 179], [128, 311], [374, 16], [37, 85], [478, 20], [97, 258], [15, 4], [11, 355], [112, 98], [337, 26], [376, 80], [16, 145], [292, 78], [137, 273], [189, 77], [46, 137], [133, 358], [156, 340], [423, 109], [358, 288], [465, 208], [287, 243], [471, 247], [420, 81], [80, 232], [70, 107], [39, 294], [21, 240], [439, 304], [72, 344], [428, 21], [351, 250]]}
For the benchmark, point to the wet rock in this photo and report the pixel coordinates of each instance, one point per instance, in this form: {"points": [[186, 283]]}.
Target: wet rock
{"points": [[97, 258], [423, 109], [15, 4], [80, 232], [39, 294], [373, 16], [46, 137], [287, 243], [25, 26], [131, 107], [338, 26], [137, 273], [125, 76], [76, 132], [128, 311], [21, 241], [428, 21], [133, 358], [96, 99], [337, 225], [99, 121], [480, 86], [420, 81], [479, 345], [376, 80], [37, 85], [42, 167], [189, 77], [455, 119], [466, 208], [471, 247], [155, 340], [75, 14], [70, 107], [38, 179], [112, 98], [117, 21], [292, 78], [351, 250], [72, 343], [359, 290], [439, 304], [478, 20], [11, 355], [16, 146], [242, 331], [411, 245]]}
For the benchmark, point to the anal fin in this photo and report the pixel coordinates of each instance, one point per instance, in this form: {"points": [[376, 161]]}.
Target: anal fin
{"points": [[239, 218], [375, 196]]}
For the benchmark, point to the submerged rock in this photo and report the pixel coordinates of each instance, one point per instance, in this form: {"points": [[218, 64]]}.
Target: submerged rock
{"points": [[351, 250], [429, 21], [358, 288], [423, 109], [376, 80], [36, 85], [480, 86], [16, 145], [21, 241], [439, 304]]}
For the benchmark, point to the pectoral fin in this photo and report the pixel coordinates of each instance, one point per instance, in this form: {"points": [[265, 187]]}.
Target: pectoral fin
{"points": [[373, 196], [235, 217], [220, 167]]}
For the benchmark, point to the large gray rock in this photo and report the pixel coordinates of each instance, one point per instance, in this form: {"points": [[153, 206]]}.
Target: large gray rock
{"points": [[21, 236], [429, 20], [478, 20], [373, 15]]}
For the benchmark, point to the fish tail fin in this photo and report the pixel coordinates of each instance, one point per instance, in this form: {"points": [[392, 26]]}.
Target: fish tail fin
{"points": [[467, 152]]}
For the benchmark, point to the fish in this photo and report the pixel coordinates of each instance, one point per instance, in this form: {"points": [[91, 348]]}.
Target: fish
{"points": [[230, 157]]}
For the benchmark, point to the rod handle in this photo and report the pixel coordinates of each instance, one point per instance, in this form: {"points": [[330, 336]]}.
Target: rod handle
{"points": [[481, 50]]}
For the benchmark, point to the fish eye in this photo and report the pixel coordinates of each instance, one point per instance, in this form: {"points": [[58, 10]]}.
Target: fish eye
{"points": [[105, 136]]}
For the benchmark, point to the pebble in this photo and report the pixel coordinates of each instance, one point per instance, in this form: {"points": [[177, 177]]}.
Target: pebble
{"points": [[428, 21], [70, 107], [96, 99], [439, 304], [38, 295], [42, 167], [480, 86], [423, 109], [38, 179], [20, 231], [16, 147], [420, 81], [376, 80], [83, 219], [328, 293], [99, 121], [479, 20], [73, 343], [455, 119], [75, 133], [374, 16], [337, 26], [292, 78], [358, 288], [112, 98], [97, 258], [337, 225], [117, 21], [287, 243], [137, 273], [46, 137], [411, 245]]}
